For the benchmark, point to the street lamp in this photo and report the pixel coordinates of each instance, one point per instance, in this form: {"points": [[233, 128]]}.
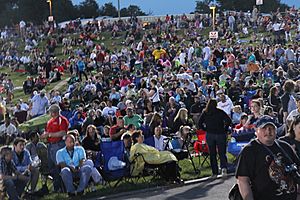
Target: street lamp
{"points": [[50, 7], [119, 12], [213, 8]]}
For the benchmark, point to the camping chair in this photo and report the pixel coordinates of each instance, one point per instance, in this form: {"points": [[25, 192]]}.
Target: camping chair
{"points": [[234, 148], [201, 147], [244, 135], [108, 150]]}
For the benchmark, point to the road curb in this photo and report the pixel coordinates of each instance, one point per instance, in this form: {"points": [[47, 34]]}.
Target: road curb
{"points": [[158, 188]]}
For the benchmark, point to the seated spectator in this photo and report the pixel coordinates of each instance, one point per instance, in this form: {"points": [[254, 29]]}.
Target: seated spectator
{"points": [[130, 130], [99, 121], [109, 111], [8, 131], [56, 99], [236, 115], [243, 121], [152, 156], [88, 120], [55, 76], [76, 121], [71, 161], [23, 162], [28, 85], [91, 140], [159, 139], [114, 96], [106, 131], [117, 130], [40, 82], [127, 144], [13, 181], [181, 119], [132, 118], [20, 114]]}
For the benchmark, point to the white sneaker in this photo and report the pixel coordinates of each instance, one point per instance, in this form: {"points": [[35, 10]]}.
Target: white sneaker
{"points": [[224, 172]]}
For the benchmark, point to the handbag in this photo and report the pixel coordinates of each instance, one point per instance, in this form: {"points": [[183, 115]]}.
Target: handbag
{"points": [[234, 193]]}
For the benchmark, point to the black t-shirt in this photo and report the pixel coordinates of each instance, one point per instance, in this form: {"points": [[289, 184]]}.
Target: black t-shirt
{"points": [[285, 102], [267, 175]]}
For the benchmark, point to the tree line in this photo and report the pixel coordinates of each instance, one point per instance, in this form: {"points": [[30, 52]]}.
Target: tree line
{"points": [[37, 11], [202, 6]]}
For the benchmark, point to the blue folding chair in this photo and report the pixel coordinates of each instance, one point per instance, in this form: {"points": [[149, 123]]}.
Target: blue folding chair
{"points": [[150, 141], [109, 149]]}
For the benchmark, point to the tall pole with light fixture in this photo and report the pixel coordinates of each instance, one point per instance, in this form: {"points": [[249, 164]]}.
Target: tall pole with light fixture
{"points": [[213, 8], [50, 7], [119, 11]]}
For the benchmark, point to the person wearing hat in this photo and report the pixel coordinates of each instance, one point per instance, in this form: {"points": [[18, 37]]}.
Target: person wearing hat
{"points": [[261, 166], [56, 129]]}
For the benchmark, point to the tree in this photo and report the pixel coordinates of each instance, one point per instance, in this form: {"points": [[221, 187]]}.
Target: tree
{"points": [[134, 10], [64, 10], [89, 8], [246, 5], [203, 6], [108, 9]]}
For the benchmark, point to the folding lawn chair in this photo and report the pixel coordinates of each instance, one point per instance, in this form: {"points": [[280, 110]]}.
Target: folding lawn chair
{"points": [[108, 150], [234, 148], [201, 147]]}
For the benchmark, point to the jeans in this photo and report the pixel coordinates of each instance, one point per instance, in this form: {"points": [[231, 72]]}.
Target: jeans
{"points": [[84, 174], [14, 188], [215, 141], [54, 168]]}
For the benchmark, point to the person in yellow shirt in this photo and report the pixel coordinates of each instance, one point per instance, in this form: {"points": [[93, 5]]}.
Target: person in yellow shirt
{"points": [[158, 52]]}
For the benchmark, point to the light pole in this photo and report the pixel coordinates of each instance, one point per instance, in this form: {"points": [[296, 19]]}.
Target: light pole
{"points": [[213, 8], [50, 7], [119, 12]]}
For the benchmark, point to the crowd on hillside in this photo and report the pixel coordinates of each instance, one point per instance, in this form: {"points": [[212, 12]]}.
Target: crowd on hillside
{"points": [[163, 79]]}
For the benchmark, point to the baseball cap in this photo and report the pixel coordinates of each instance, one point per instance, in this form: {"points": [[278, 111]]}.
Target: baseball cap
{"points": [[265, 120]]}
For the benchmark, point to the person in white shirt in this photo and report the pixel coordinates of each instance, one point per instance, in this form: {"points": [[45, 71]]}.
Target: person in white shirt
{"points": [[89, 86], [225, 103], [8, 131], [191, 52], [24, 106], [109, 110], [56, 99], [40, 103], [159, 139], [295, 112]]}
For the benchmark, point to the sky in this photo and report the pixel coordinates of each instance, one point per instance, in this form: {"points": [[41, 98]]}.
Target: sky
{"points": [[163, 7]]}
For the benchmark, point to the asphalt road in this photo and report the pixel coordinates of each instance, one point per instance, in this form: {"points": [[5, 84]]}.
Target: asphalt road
{"points": [[207, 190]]}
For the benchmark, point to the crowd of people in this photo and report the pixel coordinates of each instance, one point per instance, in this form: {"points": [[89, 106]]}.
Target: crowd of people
{"points": [[165, 78]]}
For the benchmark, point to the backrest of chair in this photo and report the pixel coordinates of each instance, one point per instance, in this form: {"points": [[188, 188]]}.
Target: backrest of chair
{"points": [[201, 135], [201, 145], [150, 141], [111, 149]]}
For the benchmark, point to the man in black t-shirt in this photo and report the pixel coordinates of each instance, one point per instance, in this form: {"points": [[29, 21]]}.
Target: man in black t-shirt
{"points": [[261, 173]]}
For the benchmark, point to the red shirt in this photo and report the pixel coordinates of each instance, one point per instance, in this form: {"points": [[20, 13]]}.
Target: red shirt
{"points": [[57, 124]]}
